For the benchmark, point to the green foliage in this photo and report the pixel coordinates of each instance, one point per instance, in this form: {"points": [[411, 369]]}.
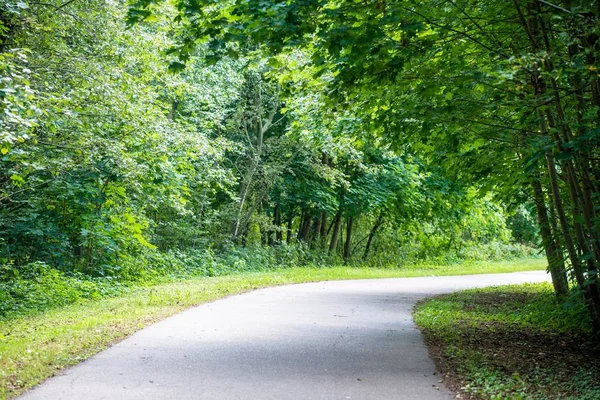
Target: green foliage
{"points": [[523, 226], [18, 111], [116, 172], [502, 98], [36, 287], [85, 181]]}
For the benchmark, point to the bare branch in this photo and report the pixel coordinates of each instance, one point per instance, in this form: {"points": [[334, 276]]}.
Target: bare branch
{"points": [[64, 5], [557, 7]]}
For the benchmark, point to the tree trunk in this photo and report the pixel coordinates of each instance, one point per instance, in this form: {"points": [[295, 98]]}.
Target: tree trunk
{"points": [[556, 263], [591, 298], [546, 119], [348, 244], [290, 224], [300, 226], [335, 236], [315, 237], [304, 230], [374, 229], [583, 207], [277, 224], [323, 232]]}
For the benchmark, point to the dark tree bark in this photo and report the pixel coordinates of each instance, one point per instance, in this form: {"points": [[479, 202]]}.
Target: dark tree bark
{"points": [[556, 263], [300, 226], [591, 293], [316, 230], [558, 130], [323, 232], [335, 236], [348, 243], [372, 234], [290, 224], [304, 230], [277, 224]]}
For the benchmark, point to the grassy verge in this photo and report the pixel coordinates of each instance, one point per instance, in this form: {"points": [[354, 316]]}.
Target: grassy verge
{"points": [[35, 347], [512, 342]]}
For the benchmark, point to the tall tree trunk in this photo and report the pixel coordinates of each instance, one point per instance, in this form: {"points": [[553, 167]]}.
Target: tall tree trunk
{"points": [[277, 224], [301, 226], [374, 229], [562, 218], [335, 236], [348, 244], [323, 232], [582, 204], [304, 230], [316, 230], [556, 263], [538, 38], [290, 224], [592, 300]]}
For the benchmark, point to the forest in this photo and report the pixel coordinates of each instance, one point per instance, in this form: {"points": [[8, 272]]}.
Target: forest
{"points": [[152, 140], [131, 153], [145, 139]]}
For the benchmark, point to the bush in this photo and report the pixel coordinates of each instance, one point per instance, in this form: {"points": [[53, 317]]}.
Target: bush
{"points": [[496, 251], [417, 252], [37, 286], [207, 262]]}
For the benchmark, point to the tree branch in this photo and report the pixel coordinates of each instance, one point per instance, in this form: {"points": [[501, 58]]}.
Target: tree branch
{"points": [[559, 8], [64, 5]]}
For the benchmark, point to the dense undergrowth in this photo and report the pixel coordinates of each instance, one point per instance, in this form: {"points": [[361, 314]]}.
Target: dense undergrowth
{"points": [[513, 342], [37, 286]]}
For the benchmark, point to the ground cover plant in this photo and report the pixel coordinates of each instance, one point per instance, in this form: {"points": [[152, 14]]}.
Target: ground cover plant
{"points": [[514, 342]]}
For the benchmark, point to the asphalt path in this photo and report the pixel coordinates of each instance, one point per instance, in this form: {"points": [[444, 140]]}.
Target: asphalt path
{"points": [[325, 340]]}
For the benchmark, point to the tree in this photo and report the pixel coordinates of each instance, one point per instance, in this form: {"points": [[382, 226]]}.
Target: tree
{"points": [[502, 95]]}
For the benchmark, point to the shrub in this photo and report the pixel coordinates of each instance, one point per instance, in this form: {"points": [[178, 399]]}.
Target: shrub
{"points": [[37, 286]]}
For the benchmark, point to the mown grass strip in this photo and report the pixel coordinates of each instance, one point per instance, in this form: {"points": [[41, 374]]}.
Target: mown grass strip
{"points": [[34, 348]]}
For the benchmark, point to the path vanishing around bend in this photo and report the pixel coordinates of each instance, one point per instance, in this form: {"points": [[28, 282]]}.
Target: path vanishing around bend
{"points": [[325, 340]]}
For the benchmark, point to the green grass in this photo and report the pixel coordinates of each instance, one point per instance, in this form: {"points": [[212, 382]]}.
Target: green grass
{"points": [[35, 347], [512, 342]]}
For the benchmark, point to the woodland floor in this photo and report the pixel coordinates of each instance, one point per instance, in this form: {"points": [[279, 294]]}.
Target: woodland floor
{"points": [[484, 350]]}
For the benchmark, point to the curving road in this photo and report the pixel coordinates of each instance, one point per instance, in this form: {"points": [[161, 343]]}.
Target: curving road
{"points": [[326, 340]]}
